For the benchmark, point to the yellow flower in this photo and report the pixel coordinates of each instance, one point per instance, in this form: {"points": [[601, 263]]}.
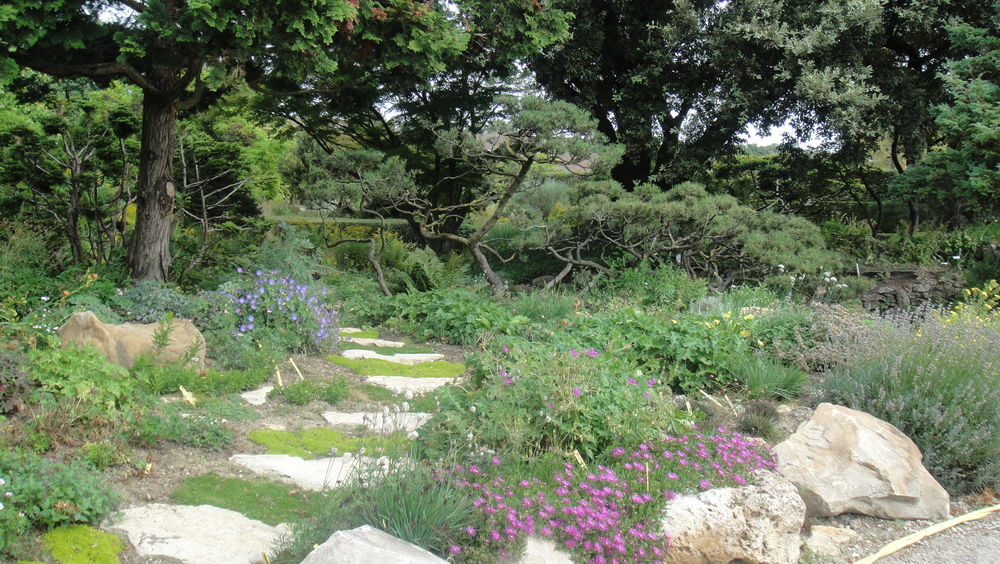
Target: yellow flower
{"points": [[727, 315], [760, 343], [674, 321], [745, 333], [715, 321], [748, 317], [709, 325]]}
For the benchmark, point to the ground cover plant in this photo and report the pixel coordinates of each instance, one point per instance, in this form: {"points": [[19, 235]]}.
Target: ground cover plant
{"points": [[264, 500], [379, 367], [317, 442]]}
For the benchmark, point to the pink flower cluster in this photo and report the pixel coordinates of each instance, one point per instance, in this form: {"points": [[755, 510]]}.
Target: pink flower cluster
{"points": [[596, 512]]}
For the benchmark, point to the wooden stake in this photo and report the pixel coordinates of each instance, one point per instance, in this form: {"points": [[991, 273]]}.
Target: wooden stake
{"points": [[296, 367], [278, 374]]}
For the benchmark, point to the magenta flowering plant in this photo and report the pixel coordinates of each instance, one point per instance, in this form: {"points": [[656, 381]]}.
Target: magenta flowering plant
{"points": [[268, 304], [606, 513]]}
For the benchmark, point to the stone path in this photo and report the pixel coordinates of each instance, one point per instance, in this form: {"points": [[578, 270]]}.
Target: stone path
{"points": [[208, 535]]}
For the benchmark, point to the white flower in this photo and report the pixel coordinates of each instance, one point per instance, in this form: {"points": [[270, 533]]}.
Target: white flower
{"points": [[833, 279], [413, 435], [1, 506], [781, 267], [44, 298], [2, 482], [548, 419], [8, 494], [385, 412], [472, 409], [408, 395], [469, 437], [362, 450], [406, 406]]}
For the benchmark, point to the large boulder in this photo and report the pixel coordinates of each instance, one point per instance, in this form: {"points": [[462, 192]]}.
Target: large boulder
{"points": [[753, 524], [847, 461], [367, 545], [122, 344]]}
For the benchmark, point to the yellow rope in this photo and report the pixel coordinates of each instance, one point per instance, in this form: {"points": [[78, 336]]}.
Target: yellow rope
{"points": [[920, 535]]}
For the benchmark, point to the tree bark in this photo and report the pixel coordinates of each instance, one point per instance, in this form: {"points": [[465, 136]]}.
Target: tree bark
{"points": [[149, 250]]}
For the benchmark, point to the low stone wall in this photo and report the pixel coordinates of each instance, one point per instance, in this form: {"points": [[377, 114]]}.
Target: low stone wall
{"points": [[904, 290]]}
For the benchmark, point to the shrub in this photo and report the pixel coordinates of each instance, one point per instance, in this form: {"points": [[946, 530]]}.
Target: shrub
{"points": [[935, 381], [275, 307], [533, 398], [150, 301], [658, 286], [195, 430], [765, 377], [50, 493], [456, 315]]}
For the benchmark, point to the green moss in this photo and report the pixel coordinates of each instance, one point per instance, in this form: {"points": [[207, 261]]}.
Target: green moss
{"points": [[80, 544], [317, 442], [264, 500], [379, 367], [347, 345], [361, 334]]}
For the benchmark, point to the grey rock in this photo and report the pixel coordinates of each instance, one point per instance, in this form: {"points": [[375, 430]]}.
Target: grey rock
{"points": [[367, 545]]}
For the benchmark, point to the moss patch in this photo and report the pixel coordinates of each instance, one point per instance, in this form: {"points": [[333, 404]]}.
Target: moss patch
{"points": [[80, 544], [317, 442], [347, 345], [361, 334], [264, 500], [379, 367]]}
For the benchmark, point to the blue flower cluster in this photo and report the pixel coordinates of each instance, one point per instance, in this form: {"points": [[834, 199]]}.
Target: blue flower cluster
{"points": [[272, 301]]}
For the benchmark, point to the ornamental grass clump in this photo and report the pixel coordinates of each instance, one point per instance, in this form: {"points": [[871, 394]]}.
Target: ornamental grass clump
{"points": [[608, 513], [937, 381], [271, 306]]}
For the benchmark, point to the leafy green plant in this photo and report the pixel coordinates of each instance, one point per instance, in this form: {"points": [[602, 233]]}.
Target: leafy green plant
{"points": [[195, 430], [305, 391], [52, 493], [456, 315], [16, 382], [82, 374], [149, 301]]}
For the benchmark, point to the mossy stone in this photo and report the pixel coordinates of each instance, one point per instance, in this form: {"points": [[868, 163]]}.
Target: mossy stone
{"points": [[80, 544], [317, 442]]}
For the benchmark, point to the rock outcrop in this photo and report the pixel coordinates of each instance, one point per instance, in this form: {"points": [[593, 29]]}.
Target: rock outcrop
{"points": [[847, 461], [122, 344], [753, 524]]}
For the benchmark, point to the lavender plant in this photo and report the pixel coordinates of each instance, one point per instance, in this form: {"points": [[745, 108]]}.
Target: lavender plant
{"points": [[936, 380], [269, 305]]}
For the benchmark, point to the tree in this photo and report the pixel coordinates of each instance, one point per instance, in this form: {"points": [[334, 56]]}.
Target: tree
{"points": [[963, 174], [177, 51], [399, 116]]}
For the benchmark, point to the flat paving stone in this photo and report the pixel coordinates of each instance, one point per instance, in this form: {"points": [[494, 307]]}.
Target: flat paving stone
{"points": [[403, 384], [368, 545], [195, 534], [315, 475], [387, 423], [410, 359], [258, 396], [348, 340]]}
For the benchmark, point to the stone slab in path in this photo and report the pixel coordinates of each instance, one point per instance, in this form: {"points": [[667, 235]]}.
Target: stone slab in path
{"points": [[367, 545], [315, 475], [347, 340], [378, 421], [258, 396], [195, 534], [403, 384], [410, 359]]}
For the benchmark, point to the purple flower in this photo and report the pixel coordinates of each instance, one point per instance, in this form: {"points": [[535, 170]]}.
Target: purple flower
{"points": [[592, 353], [574, 354], [576, 391], [631, 381]]}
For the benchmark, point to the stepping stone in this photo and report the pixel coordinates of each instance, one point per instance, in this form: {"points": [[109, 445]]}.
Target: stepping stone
{"points": [[367, 545], [200, 534], [379, 422], [346, 331], [258, 396], [315, 475], [403, 384], [411, 359], [374, 342]]}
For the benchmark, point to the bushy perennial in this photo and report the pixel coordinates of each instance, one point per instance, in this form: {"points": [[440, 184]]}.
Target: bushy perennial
{"points": [[278, 302]]}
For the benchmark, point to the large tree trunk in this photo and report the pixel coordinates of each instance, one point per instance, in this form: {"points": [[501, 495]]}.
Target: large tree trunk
{"points": [[149, 249]]}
